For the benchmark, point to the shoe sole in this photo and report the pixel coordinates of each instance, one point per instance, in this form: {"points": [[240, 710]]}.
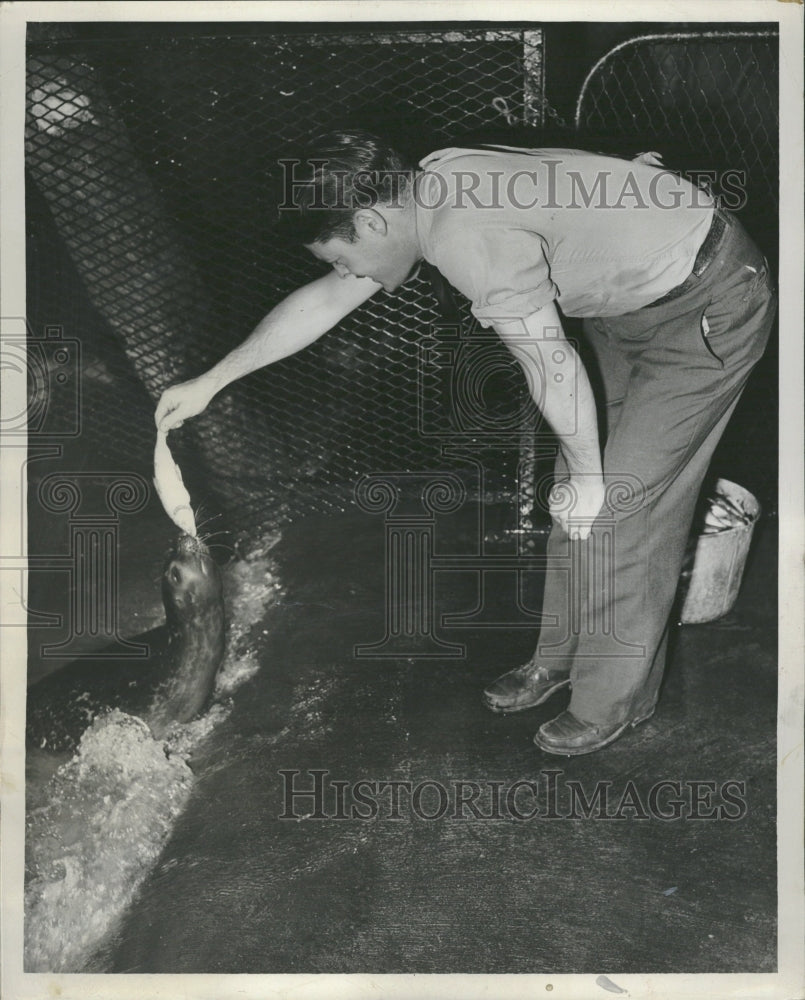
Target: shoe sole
{"points": [[598, 746], [531, 704]]}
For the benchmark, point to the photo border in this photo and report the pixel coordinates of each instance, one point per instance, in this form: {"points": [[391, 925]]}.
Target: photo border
{"points": [[788, 981]]}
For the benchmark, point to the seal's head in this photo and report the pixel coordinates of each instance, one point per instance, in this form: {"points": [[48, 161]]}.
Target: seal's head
{"points": [[191, 582], [194, 611]]}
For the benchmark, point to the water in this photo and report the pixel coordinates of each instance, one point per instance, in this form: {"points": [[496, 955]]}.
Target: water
{"points": [[109, 811], [97, 822]]}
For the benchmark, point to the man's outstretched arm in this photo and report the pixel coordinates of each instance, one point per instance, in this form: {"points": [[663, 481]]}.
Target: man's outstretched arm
{"points": [[302, 317]]}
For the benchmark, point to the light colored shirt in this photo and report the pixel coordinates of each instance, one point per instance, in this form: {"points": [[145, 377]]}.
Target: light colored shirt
{"points": [[515, 229]]}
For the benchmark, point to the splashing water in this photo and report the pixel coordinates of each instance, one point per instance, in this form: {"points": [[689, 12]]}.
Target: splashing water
{"points": [[251, 586], [98, 824], [109, 812]]}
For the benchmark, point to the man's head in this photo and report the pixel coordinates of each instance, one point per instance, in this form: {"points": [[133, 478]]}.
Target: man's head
{"points": [[352, 207]]}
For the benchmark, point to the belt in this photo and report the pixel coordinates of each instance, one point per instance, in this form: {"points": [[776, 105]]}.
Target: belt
{"points": [[719, 225]]}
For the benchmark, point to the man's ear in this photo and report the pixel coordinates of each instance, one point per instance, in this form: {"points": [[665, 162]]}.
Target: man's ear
{"points": [[368, 221]]}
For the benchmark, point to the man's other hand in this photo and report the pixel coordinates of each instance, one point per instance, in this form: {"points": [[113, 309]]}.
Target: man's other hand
{"points": [[575, 503]]}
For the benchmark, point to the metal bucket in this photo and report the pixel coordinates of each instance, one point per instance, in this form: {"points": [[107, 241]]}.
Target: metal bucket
{"points": [[715, 561]]}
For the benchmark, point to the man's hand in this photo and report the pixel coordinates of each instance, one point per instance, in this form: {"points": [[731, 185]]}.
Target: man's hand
{"points": [[182, 401], [561, 389], [576, 502]]}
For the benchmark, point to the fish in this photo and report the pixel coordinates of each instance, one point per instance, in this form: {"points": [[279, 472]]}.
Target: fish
{"points": [[723, 513], [170, 487]]}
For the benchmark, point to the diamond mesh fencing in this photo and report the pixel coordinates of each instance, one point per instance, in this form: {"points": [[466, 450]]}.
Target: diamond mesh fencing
{"points": [[157, 161], [710, 97]]}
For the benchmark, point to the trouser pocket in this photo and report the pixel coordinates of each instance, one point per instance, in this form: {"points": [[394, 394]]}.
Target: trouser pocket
{"points": [[734, 326]]}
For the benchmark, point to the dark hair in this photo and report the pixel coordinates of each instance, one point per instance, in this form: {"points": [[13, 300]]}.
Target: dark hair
{"points": [[334, 176]]}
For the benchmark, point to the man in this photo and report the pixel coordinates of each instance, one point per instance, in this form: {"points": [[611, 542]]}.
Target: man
{"points": [[677, 307]]}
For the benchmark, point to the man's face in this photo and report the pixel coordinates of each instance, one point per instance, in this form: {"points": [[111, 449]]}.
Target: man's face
{"points": [[376, 252]]}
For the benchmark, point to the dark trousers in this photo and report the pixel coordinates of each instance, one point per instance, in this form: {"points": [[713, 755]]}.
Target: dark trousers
{"points": [[672, 375]]}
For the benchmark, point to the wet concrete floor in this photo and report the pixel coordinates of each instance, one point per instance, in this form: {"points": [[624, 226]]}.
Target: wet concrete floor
{"points": [[240, 889]]}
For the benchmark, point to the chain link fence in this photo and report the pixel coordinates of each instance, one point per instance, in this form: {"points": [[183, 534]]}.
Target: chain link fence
{"points": [[157, 160], [153, 181], [710, 98]]}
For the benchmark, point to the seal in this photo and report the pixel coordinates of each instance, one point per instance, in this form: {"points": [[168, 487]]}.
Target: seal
{"points": [[172, 684]]}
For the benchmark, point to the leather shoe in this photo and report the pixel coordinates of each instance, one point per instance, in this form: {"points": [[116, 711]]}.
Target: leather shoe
{"points": [[524, 687], [570, 737]]}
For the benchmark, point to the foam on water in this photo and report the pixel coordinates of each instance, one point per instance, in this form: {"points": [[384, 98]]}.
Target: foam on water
{"points": [[96, 828], [108, 814]]}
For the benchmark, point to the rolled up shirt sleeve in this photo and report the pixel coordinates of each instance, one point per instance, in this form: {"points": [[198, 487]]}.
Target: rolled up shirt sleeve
{"points": [[502, 271]]}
